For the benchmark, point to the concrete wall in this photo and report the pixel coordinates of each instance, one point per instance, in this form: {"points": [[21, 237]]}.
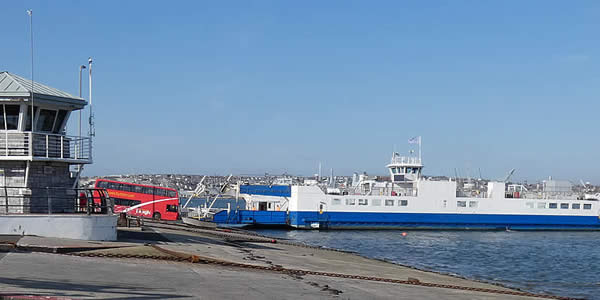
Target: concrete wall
{"points": [[81, 227], [33, 197]]}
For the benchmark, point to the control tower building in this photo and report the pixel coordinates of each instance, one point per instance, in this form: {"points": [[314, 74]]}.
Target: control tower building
{"points": [[35, 153]]}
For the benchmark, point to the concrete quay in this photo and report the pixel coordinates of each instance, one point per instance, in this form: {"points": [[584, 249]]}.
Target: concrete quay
{"points": [[122, 270]]}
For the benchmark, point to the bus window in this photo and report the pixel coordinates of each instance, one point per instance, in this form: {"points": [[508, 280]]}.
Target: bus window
{"points": [[139, 189], [101, 184], [172, 194], [148, 190], [113, 186]]}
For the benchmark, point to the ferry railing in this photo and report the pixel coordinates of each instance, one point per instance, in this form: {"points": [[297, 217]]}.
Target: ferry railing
{"points": [[389, 192], [406, 160], [543, 195], [52, 200], [471, 194], [45, 146]]}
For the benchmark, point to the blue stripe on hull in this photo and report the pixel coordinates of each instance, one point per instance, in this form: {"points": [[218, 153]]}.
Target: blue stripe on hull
{"points": [[360, 220]]}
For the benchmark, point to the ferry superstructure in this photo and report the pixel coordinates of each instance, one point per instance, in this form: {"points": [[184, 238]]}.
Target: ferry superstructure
{"points": [[411, 201]]}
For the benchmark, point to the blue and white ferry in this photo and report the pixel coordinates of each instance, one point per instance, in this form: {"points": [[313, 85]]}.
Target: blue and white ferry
{"points": [[411, 201]]}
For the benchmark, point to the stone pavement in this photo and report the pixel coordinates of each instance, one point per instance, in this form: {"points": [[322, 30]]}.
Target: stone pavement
{"points": [[47, 274]]}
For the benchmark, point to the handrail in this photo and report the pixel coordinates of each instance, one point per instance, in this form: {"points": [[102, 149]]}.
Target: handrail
{"points": [[54, 200], [48, 146]]}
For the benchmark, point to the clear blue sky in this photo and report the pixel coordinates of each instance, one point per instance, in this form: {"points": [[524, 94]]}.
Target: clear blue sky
{"points": [[272, 86]]}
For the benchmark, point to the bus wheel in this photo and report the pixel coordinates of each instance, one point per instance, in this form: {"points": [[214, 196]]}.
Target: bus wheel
{"points": [[156, 216]]}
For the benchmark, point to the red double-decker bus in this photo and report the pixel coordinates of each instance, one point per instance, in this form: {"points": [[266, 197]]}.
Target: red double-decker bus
{"points": [[146, 201]]}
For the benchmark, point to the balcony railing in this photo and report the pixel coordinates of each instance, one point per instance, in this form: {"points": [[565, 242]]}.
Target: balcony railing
{"points": [[41, 146]]}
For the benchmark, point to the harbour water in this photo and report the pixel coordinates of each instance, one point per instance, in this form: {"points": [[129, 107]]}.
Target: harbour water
{"points": [[560, 263]]}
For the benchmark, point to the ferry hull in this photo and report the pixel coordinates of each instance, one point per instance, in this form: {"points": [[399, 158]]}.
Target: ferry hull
{"points": [[364, 220]]}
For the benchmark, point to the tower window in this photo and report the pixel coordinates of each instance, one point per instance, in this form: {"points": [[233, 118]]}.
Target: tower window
{"points": [[28, 117], [45, 120], [12, 116], [60, 119]]}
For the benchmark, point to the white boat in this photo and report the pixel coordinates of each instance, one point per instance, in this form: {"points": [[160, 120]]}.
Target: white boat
{"points": [[410, 201]]}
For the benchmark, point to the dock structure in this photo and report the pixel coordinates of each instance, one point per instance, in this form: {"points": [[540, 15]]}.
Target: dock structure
{"points": [[36, 159]]}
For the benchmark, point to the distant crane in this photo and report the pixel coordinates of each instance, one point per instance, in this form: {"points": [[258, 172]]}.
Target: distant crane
{"points": [[223, 189], [507, 178], [199, 190]]}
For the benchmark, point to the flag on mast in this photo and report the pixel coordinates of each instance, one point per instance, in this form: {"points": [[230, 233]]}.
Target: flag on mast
{"points": [[415, 140]]}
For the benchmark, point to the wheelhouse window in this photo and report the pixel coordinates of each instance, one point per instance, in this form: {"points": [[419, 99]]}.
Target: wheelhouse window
{"points": [[376, 202], [576, 206], [60, 119], [529, 204], [350, 201], [403, 202], [11, 115], [541, 205], [389, 202], [2, 118], [587, 206], [473, 204], [336, 201], [552, 205], [461, 203], [28, 117], [363, 202], [564, 206], [45, 120]]}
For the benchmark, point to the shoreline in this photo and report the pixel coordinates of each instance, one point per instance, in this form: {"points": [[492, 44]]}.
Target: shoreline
{"points": [[268, 266], [459, 276]]}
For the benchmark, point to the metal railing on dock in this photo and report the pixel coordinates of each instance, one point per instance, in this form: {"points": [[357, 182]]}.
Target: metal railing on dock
{"points": [[51, 200]]}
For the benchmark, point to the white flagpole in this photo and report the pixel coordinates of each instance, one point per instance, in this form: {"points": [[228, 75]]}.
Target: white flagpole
{"points": [[419, 149], [30, 13]]}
